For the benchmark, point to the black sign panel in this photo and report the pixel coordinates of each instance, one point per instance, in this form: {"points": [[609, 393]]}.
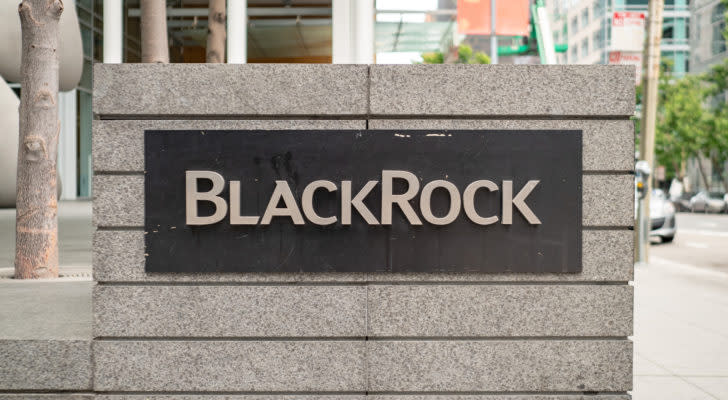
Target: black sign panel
{"points": [[464, 227]]}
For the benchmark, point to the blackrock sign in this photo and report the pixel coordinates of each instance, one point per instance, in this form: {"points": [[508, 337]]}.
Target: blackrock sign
{"points": [[363, 201]]}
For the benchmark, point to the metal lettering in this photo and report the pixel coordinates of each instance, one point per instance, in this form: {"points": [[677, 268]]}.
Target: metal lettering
{"points": [[425, 205], [235, 217], [282, 191], [519, 202], [192, 196], [358, 202], [402, 200], [307, 202], [469, 202]]}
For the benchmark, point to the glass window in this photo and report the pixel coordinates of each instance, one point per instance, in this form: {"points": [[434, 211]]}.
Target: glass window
{"points": [[584, 17], [718, 44], [573, 53], [585, 48], [597, 40], [574, 25]]}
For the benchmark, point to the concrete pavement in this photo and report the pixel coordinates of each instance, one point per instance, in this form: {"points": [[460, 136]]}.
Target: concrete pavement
{"points": [[681, 314]]}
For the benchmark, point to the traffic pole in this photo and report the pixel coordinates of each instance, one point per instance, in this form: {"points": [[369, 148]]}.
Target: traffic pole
{"points": [[649, 115]]}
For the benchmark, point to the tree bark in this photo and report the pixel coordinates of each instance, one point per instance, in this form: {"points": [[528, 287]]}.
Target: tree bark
{"points": [[702, 173], [36, 223], [216, 32], [155, 46]]}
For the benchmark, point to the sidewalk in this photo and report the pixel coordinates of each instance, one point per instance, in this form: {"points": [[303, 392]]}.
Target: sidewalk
{"points": [[75, 232], [681, 332], [49, 309]]}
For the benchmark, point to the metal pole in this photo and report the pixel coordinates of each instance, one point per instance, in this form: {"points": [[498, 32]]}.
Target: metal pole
{"points": [[649, 113], [493, 37]]}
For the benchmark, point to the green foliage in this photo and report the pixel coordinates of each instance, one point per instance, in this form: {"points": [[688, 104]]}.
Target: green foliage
{"points": [[465, 56], [692, 117], [434, 57]]}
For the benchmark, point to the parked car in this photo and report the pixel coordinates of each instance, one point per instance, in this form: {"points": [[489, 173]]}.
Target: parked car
{"points": [[703, 202], [662, 217]]}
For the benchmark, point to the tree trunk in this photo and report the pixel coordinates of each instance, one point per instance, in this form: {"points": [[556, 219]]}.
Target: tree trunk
{"points": [[36, 224], [702, 173], [216, 32], [155, 47]]}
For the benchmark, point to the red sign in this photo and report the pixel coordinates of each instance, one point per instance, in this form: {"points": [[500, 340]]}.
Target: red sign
{"points": [[512, 17]]}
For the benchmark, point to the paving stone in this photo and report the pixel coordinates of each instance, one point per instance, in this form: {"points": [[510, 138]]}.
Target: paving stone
{"points": [[500, 365], [248, 366], [161, 90], [230, 311], [45, 365], [502, 90], [499, 310]]}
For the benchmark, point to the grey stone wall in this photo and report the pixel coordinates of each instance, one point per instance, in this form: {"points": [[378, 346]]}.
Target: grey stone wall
{"points": [[350, 336]]}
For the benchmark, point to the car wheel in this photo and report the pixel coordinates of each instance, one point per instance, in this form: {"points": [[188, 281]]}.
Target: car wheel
{"points": [[667, 239]]}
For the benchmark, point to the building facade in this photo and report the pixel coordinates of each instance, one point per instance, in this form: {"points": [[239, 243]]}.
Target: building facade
{"points": [[586, 26]]}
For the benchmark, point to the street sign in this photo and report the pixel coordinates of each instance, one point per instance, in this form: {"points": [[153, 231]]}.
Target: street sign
{"points": [[628, 31], [363, 201]]}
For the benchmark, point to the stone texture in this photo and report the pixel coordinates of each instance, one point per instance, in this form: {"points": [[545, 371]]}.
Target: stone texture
{"points": [[118, 200], [608, 145], [229, 89], [230, 311], [267, 366], [119, 145], [362, 397], [45, 365], [501, 397], [499, 310], [502, 90], [246, 397], [57, 309], [119, 257], [607, 200], [500, 365], [47, 396]]}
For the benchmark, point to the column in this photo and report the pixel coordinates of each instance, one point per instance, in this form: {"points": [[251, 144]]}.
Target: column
{"points": [[363, 18], [341, 28], [67, 144], [237, 31], [113, 31]]}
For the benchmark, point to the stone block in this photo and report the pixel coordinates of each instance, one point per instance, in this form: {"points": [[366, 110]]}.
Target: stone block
{"points": [[500, 397], [119, 145], [500, 366], [45, 365], [47, 396], [230, 311], [607, 200], [229, 366], [119, 257], [502, 90], [608, 145], [499, 310], [169, 90], [243, 397]]}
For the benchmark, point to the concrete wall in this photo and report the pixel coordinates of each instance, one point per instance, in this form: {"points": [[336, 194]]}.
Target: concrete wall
{"points": [[343, 335]]}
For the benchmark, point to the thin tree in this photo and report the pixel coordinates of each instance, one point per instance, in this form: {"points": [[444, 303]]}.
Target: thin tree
{"points": [[36, 226], [155, 47], [216, 32]]}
